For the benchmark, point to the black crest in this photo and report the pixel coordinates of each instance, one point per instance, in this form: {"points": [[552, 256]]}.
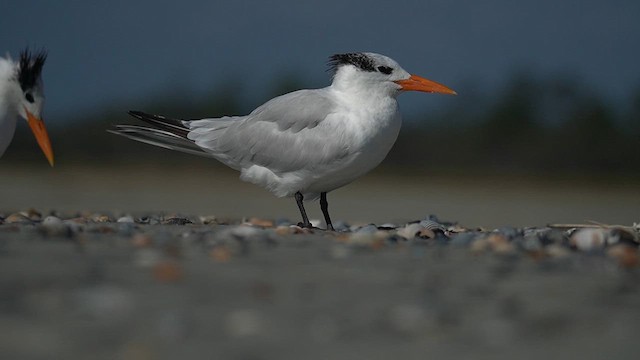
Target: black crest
{"points": [[359, 60], [30, 68]]}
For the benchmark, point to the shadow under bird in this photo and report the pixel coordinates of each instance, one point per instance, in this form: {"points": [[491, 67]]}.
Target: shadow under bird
{"points": [[307, 142], [22, 95]]}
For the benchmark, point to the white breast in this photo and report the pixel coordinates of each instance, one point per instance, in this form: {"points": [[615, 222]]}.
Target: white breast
{"points": [[372, 131]]}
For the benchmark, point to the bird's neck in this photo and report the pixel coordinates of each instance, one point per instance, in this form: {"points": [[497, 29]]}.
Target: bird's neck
{"points": [[363, 91], [372, 109], [9, 90]]}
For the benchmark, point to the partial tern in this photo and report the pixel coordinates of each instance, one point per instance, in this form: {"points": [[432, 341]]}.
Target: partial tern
{"points": [[307, 142], [22, 95]]}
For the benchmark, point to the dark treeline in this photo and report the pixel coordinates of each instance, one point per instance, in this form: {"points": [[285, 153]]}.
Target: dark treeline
{"points": [[533, 126]]}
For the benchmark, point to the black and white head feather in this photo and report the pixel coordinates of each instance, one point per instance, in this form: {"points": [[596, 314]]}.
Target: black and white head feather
{"points": [[30, 68], [361, 61], [368, 62]]}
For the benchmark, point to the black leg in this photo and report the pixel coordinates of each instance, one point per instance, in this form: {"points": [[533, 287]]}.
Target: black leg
{"points": [[324, 206], [305, 220]]}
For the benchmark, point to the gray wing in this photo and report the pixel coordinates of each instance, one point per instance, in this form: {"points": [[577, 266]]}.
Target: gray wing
{"points": [[291, 132]]}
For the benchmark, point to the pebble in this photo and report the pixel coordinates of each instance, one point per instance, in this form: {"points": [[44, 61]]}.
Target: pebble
{"points": [[496, 242], [373, 240], [552, 236], [557, 251], [283, 222], [54, 226], [148, 220], [509, 232], [589, 239], [78, 220], [463, 239], [74, 227], [283, 230], [241, 232], [176, 221], [369, 228], [626, 255], [51, 220], [300, 230], [209, 220], [261, 222], [623, 236], [100, 218], [161, 250]]}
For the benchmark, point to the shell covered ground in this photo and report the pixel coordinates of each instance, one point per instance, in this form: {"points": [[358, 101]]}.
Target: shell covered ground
{"points": [[77, 285]]}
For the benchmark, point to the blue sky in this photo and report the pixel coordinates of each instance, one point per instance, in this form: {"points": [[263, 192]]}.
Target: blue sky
{"points": [[103, 53]]}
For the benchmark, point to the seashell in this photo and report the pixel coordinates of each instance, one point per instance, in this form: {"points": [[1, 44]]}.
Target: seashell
{"points": [[18, 218], [128, 219], [32, 214], [410, 231]]}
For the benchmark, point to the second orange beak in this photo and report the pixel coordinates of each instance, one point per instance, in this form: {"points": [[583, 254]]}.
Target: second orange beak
{"points": [[40, 132]]}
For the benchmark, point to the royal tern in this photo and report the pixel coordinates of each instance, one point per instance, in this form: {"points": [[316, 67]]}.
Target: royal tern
{"points": [[22, 95], [307, 142]]}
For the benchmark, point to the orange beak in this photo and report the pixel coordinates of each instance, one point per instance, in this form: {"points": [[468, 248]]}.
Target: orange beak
{"points": [[40, 132], [417, 83]]}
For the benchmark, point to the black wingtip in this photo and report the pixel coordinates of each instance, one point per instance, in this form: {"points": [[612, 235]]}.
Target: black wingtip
{"points": [[174, 126]]}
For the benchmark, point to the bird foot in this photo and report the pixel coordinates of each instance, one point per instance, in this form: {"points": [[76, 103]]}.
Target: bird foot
{"points": [[311, 227]]}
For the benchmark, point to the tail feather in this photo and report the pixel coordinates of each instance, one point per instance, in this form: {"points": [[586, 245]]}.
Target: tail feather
{"points": [[175, 126], [166, 133]]}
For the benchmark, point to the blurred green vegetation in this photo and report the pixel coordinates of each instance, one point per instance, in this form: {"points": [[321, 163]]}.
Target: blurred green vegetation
{"points": [[534, 126]]}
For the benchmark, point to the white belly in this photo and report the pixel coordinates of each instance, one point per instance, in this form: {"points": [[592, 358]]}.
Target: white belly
{"points": [[356, 139], [368, 154]]}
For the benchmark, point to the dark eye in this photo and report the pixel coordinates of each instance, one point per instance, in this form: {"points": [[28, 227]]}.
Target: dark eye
{"points": [[29, 97], [385, 69]]}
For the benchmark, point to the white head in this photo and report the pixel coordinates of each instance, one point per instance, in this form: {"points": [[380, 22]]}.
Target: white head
{"points": [[374, 71], [27, 96]]}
